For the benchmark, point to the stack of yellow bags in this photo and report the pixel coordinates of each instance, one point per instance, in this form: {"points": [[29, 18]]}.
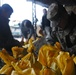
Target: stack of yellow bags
{"points": [[51, 60], [20, 64], [46, 57]]}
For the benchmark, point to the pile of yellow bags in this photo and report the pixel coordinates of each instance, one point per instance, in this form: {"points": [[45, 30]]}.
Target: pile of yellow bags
{"points": [[51, 60]]}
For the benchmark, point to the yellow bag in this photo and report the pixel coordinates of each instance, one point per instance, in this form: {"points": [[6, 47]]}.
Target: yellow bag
{"points": [[46, 57], [65, 63]]}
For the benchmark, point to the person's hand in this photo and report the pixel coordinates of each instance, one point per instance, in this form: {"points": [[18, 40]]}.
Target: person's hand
{"points": [[71, 50], [26, 42], [43, 32], [22, 40]]}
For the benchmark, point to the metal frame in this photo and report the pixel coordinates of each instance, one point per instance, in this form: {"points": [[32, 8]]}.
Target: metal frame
{"points": [[34, 13]]}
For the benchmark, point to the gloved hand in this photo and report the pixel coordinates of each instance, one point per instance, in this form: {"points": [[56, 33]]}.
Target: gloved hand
{"points": [[44, 32], [71, 50]]}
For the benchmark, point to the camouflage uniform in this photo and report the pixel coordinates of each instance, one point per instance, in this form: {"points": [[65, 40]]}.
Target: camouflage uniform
{"points": [[65, 27]]}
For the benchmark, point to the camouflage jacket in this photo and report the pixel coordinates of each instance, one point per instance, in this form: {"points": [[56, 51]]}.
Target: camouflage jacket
{"points": [[67, 37]]}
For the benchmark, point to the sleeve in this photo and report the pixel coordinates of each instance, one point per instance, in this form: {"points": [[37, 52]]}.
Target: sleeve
{"points": [[31, 33], [71, 50], [23, 31], [5, 31], [53, 38], [71, 42], [42, 23]]}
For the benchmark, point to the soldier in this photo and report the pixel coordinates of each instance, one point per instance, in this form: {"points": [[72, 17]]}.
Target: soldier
{"points": [[64, 27]]}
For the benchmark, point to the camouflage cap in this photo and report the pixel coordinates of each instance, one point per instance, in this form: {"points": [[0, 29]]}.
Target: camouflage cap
{"points": [[52, 10], [55, 11]]}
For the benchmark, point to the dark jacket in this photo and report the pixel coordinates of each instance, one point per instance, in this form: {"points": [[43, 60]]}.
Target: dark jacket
{"points": [[6, 39], [45, 22], [5, 32]]}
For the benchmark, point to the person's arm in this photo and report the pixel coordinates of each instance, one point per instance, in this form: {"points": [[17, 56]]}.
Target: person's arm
{"points": [[31, 32], [42, 23], [23, 31], [53, 38], [22, 39], [5, 31]]}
